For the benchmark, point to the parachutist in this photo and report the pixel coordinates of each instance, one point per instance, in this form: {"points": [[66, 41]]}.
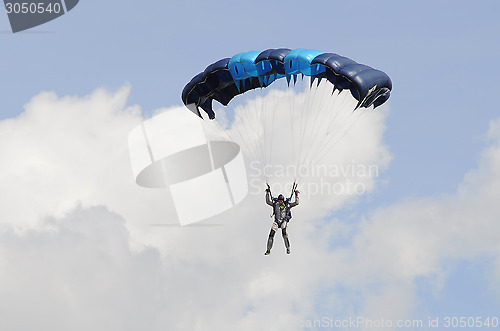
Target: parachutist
{"points": [[282, 215]]}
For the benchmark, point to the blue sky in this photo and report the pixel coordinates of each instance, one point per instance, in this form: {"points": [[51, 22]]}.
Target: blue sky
{"points": [[441, 56]]}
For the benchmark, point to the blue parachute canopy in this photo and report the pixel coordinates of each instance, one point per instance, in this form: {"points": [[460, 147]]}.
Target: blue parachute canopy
{"points": [[226, 78]]}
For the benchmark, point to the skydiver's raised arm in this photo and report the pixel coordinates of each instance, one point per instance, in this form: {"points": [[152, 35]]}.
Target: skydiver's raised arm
{"points": [[269, 198], [296, 202]]}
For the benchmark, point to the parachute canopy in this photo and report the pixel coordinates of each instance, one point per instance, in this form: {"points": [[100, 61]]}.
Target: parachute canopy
{"points": [[228, 77], [287, 109]]}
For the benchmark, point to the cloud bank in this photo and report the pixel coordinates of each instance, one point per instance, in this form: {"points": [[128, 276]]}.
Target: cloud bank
{"points": [[83, 247]]}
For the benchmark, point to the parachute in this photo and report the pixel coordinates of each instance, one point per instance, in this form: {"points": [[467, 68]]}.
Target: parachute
{"points": [[286, 106]]}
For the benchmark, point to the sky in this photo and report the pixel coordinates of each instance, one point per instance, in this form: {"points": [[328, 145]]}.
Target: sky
{"points": [[83, 247]]}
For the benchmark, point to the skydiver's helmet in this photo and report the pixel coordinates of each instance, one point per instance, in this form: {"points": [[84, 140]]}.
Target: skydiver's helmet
{"points": [[281, 197]]}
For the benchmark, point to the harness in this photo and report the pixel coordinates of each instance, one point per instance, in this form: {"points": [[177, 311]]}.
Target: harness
{"points": [[286, 202], [285, 205]]}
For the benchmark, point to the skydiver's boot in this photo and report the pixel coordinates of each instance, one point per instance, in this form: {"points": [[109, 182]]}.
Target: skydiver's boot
{"points": [[287, 242], [270, 241], [269, 245]]}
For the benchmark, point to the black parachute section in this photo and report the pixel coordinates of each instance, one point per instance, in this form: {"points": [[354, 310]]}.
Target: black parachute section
{"points": [[229, 77]]}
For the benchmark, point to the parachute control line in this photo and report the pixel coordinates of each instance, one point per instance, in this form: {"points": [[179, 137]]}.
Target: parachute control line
{"points": [[205, 173]]}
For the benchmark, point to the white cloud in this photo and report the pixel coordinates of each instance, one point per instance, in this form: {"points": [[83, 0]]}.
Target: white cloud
{"points": [[423, 237], [67, 155], [63, 150], [78, 273], [77, 250]]}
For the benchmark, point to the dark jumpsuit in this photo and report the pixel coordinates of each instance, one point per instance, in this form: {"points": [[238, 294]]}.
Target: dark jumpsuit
{"points": [[281, 218]]}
